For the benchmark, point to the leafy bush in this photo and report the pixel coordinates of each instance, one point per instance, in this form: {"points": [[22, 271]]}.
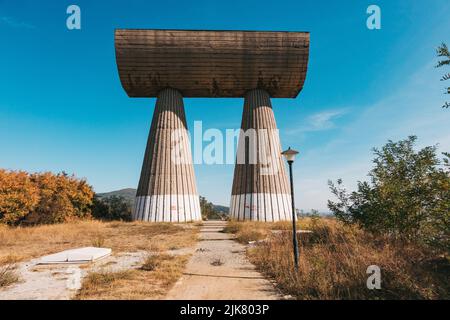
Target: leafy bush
{"points": [[18, 196], [208, 210], [62, 197], [408, 196], [111, 208], [443, 52], [42, 197]]}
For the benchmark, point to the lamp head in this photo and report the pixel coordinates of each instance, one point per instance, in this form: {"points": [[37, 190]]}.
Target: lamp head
{"points": [[290, 154]]}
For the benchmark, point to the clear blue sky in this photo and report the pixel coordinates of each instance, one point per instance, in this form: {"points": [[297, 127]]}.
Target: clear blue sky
{"points": [[62, 106]]}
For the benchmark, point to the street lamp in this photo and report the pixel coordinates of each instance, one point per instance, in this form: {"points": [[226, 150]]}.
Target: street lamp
{"points": [[290, 154]]}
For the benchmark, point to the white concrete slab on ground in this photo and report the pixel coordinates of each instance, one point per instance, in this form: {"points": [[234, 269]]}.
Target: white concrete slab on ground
{"points": [[79, 255], [55, 281]]}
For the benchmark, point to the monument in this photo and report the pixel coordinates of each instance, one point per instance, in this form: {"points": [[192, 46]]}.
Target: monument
{"points": [[172, 64]]}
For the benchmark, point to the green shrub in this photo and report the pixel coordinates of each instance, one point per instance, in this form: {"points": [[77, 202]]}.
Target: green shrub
{"points": [[408, 196], [111, 208]]}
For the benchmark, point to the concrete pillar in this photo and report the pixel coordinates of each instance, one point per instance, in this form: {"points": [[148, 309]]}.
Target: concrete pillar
{"points": [[260, 186], [167, 190]]}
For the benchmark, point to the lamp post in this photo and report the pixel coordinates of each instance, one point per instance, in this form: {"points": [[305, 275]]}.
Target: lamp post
{"points": [[290, 154]]}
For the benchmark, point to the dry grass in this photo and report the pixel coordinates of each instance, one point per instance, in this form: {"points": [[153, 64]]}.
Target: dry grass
{"points": [[152, 281], [334, 260], [23, 243], [8, 275], [253, 230], [154, 261]]}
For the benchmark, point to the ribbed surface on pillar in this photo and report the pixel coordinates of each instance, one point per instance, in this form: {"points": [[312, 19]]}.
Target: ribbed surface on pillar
{"points": [[167, 189], [260, 186]]}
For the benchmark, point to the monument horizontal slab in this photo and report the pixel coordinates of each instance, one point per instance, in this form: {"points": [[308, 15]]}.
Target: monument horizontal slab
{"points": [[211, 63]]}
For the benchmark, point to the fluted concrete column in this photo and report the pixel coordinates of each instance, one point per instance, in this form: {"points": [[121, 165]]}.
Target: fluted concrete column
{"points": [[167, 190], [260, 186]]}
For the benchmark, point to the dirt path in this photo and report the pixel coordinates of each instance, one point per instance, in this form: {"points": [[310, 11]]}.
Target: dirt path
{"points": [[219, 270]]}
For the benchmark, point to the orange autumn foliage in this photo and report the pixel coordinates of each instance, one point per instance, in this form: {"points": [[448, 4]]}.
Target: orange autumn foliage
{"points": [[43, 198], [18, 196]]}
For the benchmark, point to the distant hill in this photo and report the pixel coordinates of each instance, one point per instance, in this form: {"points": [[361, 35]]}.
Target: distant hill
{"points": [[129, 194], [221, 209]]}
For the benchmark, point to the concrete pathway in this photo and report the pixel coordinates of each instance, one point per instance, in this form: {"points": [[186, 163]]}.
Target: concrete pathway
{"points": [[220, 270]]}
